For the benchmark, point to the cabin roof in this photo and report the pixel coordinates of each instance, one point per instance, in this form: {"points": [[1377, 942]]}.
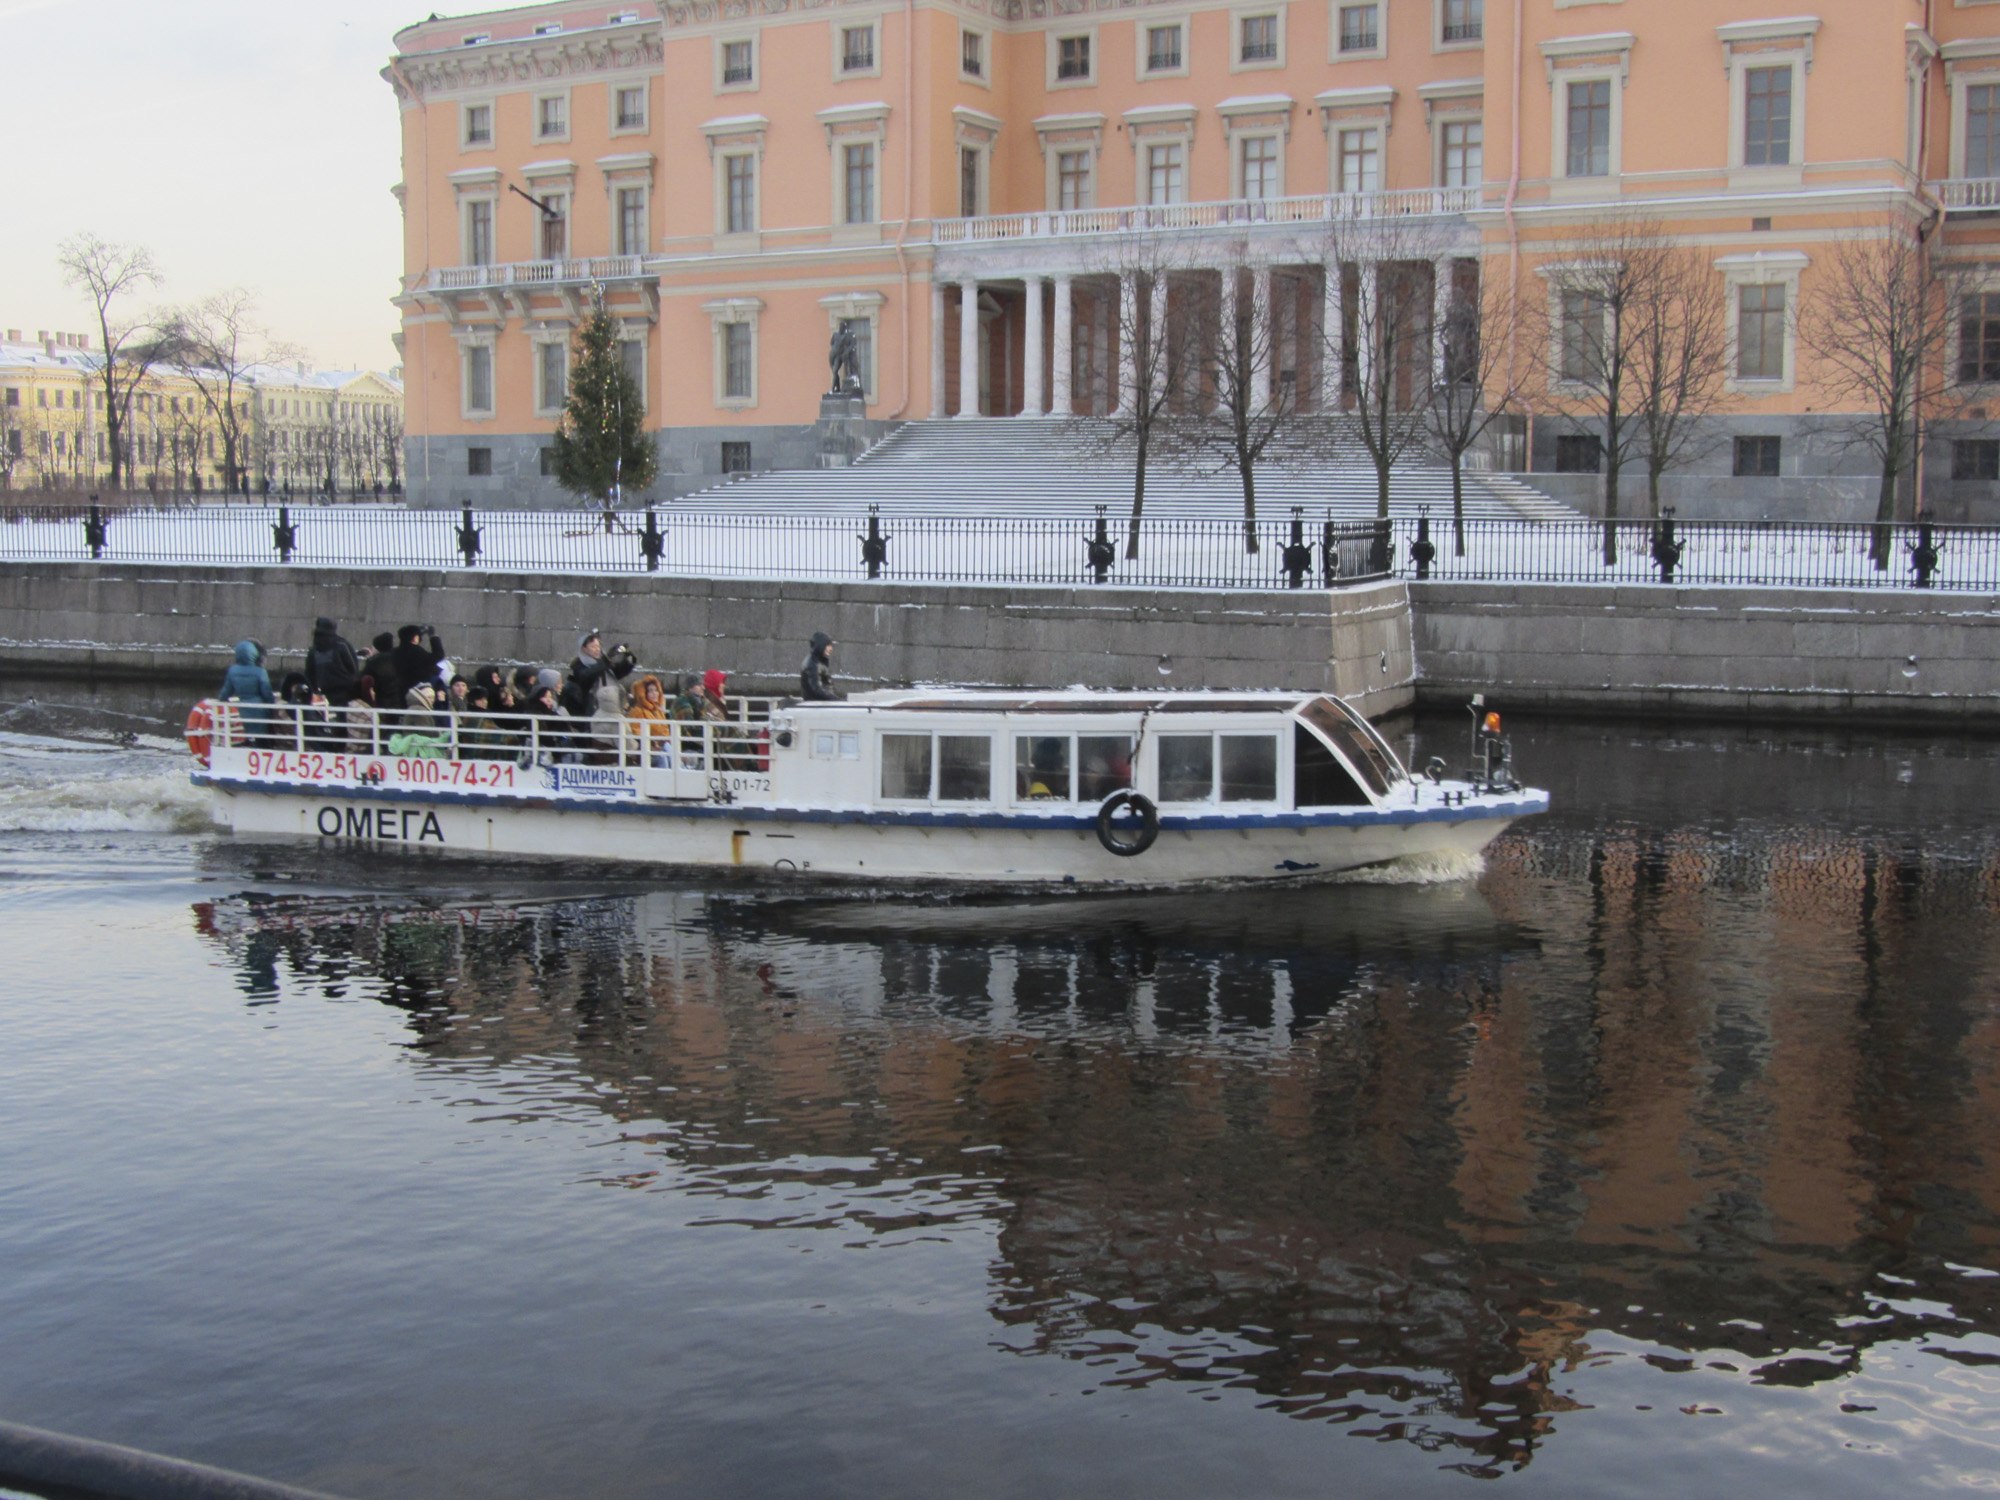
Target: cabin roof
{"points": [[1078, 702]]}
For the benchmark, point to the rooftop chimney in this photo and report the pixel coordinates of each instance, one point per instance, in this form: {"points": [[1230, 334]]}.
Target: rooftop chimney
{"points": [[41, 335], [49, 347], [13, 335]]}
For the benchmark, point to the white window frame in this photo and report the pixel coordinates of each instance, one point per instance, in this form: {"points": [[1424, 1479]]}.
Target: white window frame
{"points": [[560, 96], [613, 189], [856, 125], [629, 333], [491, 202], [1561, 278], [468, 347], [1341, 130], [984, 77], [840, 28], [723, 43], [722, 313], [1783, 268], [1060, 133], [1441, 124], [1237, 18], [1967, 65], [465, 108], [1142, 47], [611, 94], [1439, 44], [1605, 57], [1160, 125], [1792, 172], [1381, 47], [975, 130], [1146, 150], [724, 232], [546, 339], [1054, 57], [863, 307], [1086, 178], [559, 198]]}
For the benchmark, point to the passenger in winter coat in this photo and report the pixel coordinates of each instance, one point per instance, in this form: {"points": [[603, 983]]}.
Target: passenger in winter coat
{"points": [[423, 728], [816, 677], [332, 667], [607, 724], [414, 662], [247, 683], [593, 665], [379, 666], [648, 718], [546, 725]]}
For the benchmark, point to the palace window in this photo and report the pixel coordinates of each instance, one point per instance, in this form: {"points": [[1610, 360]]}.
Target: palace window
{"points": [[1259, 160], [552, 117], [863, 330], [739, 193], [632, 356], [631, 221], [1757, 457], [858, 183], [1163, 48], [1461, 22], [968, 182], [479, 463], [1073, 188], [1979, 339], [1361, 28], [551, 376], [1073, 59], [736, 458], [1581, 337], [554, 236], [1257, 39], [478, 124], [479, 232], [739, 66], [1462, 144], [1589, 133], [1767, 117], [737, 372], [1982, 130], [1976, 459], [1164, 180], [972, 54], [1579, 453], [629, 109], [1760, 332], [1360, 161], [857, 49]]}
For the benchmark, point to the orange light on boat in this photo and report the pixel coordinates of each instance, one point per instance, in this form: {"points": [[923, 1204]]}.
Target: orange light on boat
{"points": [[1492, 725]]}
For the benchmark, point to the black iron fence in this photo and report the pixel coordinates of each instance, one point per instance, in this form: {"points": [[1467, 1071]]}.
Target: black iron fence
{"points": [[1298, 550]]}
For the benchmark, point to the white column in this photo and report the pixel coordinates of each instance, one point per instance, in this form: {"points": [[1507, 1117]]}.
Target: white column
{"points": [[1263, 330], [937, 350], [1156, 316], [1364, 327], [968, 349], [1064, 355], [1330, 351], [1440, 311], [1031, 375], [1128, 343], [1226, 332]]}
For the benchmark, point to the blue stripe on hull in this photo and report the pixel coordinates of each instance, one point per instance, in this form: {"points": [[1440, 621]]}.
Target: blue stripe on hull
{"points": [[1522, 805]]}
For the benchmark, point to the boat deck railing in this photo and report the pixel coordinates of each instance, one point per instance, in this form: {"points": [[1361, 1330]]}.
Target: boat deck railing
{"points": [[738, 741]]}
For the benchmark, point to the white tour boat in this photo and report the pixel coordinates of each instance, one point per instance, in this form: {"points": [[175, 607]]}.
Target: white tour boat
{"points": [[1074, 788]]}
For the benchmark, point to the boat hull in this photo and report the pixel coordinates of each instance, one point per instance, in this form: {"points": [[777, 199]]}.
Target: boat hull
{"points": [[963, 850]]}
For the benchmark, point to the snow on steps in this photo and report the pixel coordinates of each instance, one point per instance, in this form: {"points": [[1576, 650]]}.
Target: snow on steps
{"points": [[1038, 466]]}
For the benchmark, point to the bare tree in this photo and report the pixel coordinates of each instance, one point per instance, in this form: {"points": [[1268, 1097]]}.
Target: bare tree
{"points": [[1880, 327], [1480, 385], [109, 274], [1241, 408], [215, 343], [1680, 365], [13, 443], [1606, 305], [1164, 364]]}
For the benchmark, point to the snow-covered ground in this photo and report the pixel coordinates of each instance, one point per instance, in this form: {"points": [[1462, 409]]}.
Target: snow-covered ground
{"points": [[1178, 551]]}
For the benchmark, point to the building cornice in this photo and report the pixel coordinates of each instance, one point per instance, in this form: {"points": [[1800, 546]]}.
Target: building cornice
{"points": [[531, 60]]}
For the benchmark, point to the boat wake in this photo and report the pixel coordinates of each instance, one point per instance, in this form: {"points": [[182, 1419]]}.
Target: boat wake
{"points": [[55, 785], [1444, 867]]}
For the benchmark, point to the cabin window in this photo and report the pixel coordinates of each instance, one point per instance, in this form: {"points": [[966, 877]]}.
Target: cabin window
{"points": [[906, 767], [830, 744], [1362, 746], [940, 768], [1318, 777], [1187, 767], [1070, 768], [1249, 766]]}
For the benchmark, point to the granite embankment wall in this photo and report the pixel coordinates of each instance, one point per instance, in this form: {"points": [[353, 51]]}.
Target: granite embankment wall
{"points": [[1900, 656], [136, 620]]}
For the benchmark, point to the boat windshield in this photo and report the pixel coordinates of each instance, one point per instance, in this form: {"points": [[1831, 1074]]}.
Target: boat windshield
{"points": [[1365, 750]]}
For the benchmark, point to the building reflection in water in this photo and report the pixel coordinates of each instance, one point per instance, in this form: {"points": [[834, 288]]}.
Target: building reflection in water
{"points": [[1397, 1158]]}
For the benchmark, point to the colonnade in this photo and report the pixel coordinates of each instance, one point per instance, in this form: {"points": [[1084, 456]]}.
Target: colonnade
{"points": [[1059, 399]]}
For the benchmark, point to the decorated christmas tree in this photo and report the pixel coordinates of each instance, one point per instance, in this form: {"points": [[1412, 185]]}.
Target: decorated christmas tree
{"points": [[602, 452]]}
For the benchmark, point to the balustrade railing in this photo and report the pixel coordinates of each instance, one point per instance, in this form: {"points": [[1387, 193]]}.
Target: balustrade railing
{"points": [[1968, 192], [534, 273], [1234, 213]]}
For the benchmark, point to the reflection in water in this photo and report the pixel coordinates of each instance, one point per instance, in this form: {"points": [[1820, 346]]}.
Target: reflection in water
{"points": [[1706, 1090]]}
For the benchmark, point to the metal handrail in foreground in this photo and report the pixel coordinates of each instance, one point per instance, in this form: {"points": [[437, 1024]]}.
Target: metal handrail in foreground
{"points": [[1176, 551], [35, 1462]]}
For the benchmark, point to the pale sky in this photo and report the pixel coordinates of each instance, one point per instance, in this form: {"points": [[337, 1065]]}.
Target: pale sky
{"points": [[250, 143]]}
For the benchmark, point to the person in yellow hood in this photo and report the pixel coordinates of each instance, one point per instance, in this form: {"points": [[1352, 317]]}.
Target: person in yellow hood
{"points": [[648, 718]]}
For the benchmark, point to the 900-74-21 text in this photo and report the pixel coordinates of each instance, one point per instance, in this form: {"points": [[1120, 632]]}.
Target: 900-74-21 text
{"points": [[312, 765]]}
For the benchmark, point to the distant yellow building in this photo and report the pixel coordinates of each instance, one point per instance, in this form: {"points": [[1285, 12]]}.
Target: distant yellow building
{"points": [[304, 430]]}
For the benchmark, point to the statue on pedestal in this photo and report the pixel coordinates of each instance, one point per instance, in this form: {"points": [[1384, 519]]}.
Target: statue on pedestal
{"points": [[843, 357]]}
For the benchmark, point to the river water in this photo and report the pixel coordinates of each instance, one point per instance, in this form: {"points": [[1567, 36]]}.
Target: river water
{"points": [[1661, 1157]]}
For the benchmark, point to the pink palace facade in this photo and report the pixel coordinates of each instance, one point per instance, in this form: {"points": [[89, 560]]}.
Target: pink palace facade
{"points": [[961, 181]]}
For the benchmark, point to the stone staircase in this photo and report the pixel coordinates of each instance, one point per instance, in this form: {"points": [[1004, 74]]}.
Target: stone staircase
{"points": [[1048, 465]]}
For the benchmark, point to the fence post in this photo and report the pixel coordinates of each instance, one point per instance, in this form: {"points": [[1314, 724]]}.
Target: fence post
{"points": [[284, 535], [874, 546], [1329, 553], [468, 536], [1378, 553], [1298, 557], [652, 542], [1101, 549], [1924, 555], [1423, 549], [94, 531], [1666, 548]]}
